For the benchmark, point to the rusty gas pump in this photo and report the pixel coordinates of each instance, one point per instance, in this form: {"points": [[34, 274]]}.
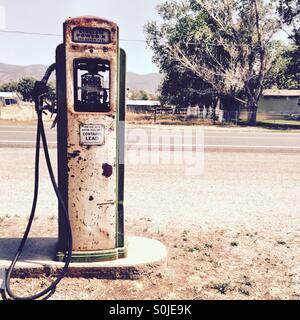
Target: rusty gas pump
{"points": [[90, 106]]}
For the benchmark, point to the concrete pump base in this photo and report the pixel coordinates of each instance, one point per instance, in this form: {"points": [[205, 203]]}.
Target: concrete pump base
{"points": [[144, 256]]}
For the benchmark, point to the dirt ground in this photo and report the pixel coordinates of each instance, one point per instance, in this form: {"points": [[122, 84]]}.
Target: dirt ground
{"points": [[232, 232], [218, 264]]}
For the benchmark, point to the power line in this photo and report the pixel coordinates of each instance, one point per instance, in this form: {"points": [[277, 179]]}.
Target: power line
{"points": [[57, 35], [122, 39], [31, 33]]}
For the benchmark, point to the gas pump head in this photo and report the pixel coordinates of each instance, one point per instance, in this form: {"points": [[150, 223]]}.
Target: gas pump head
{"points": [[92, 51], [91, 104]]}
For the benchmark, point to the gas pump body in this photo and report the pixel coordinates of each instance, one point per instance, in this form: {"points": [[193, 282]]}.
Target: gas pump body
{"points": [[90, 71]]}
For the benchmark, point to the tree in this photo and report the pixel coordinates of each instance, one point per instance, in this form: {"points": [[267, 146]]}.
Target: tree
{"points": [[52, 90], [138, 95], [225, 44], [285, 71], [9, 86], [180, 86], [183, 89], [25, 87], [289, 10], [143, 95]]}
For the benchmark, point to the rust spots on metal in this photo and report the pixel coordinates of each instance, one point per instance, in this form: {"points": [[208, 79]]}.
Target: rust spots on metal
{"points": [[74, 154], [104, 233], [75, 46], [107, 170]]}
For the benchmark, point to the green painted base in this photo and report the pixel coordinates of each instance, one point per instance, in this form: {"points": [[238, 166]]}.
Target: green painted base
{"points": [[94, 256]]}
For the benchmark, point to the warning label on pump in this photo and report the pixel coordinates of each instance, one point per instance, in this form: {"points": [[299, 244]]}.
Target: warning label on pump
{"points": [[92, 135]]}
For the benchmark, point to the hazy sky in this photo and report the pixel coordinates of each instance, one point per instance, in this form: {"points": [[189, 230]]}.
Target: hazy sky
{"points": [[47, 16]]}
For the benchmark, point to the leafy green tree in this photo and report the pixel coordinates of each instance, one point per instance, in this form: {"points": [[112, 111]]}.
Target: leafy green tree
{"points": [[183, 89], [143, 95], [153, 96], [139, 95], [25, 87], [9, 86], [52, 89], [180, 86], [285, 71], [289, 11], [226, 45]]}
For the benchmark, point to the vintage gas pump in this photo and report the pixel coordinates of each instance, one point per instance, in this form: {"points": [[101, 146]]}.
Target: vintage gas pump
{"points": [[90, 75], [90, 70]]}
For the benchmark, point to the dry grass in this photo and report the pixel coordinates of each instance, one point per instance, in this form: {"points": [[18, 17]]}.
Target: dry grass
{"points": [[201, 265], [139, 118], [148, 118], [23, 113]]}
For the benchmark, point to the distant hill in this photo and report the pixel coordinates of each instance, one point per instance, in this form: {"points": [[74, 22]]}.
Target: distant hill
{"points": [[148, 82], [9, 72]]}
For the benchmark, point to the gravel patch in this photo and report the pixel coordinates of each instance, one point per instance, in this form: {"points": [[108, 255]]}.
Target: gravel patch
{"points": [[232, 232]]}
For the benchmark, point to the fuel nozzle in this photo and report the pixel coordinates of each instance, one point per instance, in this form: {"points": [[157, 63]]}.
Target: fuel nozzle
{"points": [[42, 97], [39, 90]]}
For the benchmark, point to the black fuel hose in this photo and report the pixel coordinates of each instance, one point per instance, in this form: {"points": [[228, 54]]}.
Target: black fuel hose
{"points": [[41, 136]]}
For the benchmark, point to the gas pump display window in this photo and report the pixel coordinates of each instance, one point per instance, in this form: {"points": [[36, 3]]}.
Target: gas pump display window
{"points": [[91, 85]]}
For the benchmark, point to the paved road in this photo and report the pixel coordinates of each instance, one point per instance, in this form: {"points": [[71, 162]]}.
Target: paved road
{"points": [[257, 189], [212, 139], [250, 198]]}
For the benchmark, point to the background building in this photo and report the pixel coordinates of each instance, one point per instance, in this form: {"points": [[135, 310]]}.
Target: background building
{"points": [[276, 103], [9, 98]]}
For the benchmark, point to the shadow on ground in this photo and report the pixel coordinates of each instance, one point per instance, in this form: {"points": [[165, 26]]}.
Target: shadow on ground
{"points": [[35, 248]]}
